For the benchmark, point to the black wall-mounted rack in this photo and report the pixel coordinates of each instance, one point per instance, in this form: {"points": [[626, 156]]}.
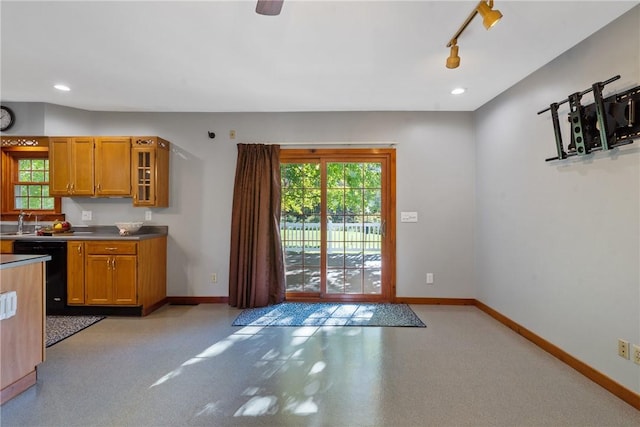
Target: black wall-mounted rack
{"points": [[606, 124]]}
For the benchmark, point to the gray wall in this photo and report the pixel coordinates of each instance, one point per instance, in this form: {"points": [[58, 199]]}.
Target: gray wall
{"points": [[29, 118], [435, 177], [553, 246], [558, 244]]}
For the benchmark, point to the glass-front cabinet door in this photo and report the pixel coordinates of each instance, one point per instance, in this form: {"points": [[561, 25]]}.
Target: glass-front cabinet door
{"points": [[150, 172], [144, 169]]}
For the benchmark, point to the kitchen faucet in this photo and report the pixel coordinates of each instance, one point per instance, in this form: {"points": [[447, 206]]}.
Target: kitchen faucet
{"points": [[21, 216]]}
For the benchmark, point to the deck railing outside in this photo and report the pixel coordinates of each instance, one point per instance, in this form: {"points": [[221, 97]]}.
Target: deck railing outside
{"points": [[340, 236]]}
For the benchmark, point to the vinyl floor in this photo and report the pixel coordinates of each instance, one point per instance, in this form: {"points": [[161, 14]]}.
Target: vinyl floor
{"points": [[187, 366]]}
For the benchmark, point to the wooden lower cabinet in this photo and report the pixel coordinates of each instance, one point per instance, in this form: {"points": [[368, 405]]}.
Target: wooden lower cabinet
{"points": [[75, 272], [117, 273], [6, 246], [110, 274], [111, 279]]}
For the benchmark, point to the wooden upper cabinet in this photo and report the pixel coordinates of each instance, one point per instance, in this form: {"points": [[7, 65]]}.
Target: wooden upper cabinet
{"points": [[112, 157], [83, 166], [111, 166], [60, 166], [88, 166], [150, 171], [71, 162]]}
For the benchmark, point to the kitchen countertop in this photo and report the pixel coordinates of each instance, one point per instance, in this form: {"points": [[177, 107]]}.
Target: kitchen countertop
{"points": [[101, 232], [11, 261]]}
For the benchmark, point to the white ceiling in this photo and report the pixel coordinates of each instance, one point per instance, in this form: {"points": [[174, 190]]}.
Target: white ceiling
{"points": [[220, 56]]}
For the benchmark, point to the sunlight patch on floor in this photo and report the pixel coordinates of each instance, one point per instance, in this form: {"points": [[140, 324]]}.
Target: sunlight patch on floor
{"points": [[257, 406], [291, 359], [210, 352], [317, 368]]}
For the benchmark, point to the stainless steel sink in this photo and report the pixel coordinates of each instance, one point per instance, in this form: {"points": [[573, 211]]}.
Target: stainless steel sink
{"points": [[15, 233]]}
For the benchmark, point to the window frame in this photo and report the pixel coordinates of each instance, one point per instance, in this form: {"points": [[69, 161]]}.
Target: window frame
{"points": [[12, 151]]}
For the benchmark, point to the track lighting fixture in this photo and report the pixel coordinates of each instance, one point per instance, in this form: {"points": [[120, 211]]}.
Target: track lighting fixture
{"points": [[489, 18], [453, 61]]}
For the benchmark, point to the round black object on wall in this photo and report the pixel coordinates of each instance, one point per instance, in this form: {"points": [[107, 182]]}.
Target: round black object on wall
{"points": [[7, 118]]}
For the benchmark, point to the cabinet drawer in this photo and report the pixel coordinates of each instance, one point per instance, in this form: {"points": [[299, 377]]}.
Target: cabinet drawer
{"points": [[109, 247]]}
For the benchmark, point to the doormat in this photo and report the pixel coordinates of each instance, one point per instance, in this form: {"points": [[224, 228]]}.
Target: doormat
{"points": [[62, 327], [330, 314]]}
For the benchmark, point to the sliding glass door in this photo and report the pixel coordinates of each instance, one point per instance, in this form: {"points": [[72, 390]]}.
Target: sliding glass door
{"points": [[337, 224]]}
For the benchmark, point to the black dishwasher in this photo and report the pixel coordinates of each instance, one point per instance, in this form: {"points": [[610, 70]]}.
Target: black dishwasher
{"points": [[56, 282]]}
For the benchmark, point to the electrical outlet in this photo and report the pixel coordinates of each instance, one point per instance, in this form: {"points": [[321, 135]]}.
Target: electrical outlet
{"points": [[148, 215], [623, 348], [429, 278], [214, 278], [86, 215], [232, 134], [636, 354]]}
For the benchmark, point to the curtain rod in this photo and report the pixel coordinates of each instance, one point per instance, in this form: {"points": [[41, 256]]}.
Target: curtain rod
{"points": [[388, 143]]}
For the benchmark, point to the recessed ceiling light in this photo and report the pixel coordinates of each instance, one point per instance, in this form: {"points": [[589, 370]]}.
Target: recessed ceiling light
{"points": [[63, 88], [458, 91]]}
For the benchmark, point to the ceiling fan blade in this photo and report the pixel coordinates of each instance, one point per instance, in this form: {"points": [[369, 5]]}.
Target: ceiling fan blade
{"points": [[269, 7]]}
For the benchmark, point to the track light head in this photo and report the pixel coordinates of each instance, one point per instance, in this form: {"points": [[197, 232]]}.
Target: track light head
{"points": [[490, 17], [453, 61]]}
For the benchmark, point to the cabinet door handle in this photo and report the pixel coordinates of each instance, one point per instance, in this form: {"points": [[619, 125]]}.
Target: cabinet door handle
{"points": [[108, 264], [80, 250], [68, 187], [110, 249], [113, 263], [98, 188]]}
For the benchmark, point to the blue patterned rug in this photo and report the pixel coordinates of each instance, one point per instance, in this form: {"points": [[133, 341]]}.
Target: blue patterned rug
{"points": [[330, 314]]}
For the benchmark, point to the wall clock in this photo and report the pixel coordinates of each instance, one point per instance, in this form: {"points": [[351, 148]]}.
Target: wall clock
{"points": [[7, 118]]}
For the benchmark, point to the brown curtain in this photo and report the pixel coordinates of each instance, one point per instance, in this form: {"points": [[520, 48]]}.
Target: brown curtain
{"points": [[256, 273]]}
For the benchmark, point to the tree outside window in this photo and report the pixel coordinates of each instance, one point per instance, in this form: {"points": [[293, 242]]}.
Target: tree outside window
{"points": [[32, 190], [25, 181]]}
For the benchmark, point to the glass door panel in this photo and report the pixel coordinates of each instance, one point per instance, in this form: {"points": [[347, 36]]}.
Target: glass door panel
{"points": [[354, 227], [143, 168], [300, 226]]}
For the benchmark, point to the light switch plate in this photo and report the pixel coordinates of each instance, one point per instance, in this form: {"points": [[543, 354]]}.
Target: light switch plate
{"points": [[636, 354], [86, 215], [408, 216], [148, 215], [623, 348]]}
